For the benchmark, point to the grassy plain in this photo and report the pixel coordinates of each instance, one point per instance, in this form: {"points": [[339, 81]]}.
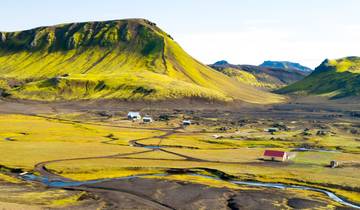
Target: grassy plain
{"points": [[17, 194], [27, 140]]}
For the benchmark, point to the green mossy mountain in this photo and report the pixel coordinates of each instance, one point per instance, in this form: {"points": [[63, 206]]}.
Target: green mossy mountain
{"points": [[333, 78], [128, 59]]}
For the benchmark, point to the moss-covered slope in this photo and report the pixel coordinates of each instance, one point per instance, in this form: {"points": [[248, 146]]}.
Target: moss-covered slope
{"points": [[124, 59], [333, 78], [258, 76]]}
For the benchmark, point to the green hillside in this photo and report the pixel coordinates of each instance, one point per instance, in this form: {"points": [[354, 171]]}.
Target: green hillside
{"points": [[259, 76], [244, 76], [333, 78], [124, 59]]}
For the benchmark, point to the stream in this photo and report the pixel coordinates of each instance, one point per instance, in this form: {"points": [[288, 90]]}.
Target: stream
{"points": [[62, 183]]}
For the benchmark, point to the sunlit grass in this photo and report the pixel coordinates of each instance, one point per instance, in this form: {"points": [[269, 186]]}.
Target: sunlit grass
{"points": [[198, 180], [74, 199], [36, 139], [84, 174], [125, 59], [32, 197], [33, 129], [337, 79], [9, 179]]}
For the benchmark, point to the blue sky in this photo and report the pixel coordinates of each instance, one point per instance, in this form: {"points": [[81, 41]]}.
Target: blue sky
{"points": [[240, 31]]}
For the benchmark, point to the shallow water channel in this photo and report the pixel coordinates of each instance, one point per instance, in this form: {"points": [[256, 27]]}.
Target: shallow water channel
{"points": [[64, 183]]}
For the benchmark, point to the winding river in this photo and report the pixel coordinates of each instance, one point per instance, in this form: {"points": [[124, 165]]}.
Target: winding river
{"points": [[63, 183]]}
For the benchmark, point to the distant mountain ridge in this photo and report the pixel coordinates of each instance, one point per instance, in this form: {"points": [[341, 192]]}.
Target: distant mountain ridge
{"points": [[129, 59], [285, 65], [221, 63], [259, 76], [335, 78]]}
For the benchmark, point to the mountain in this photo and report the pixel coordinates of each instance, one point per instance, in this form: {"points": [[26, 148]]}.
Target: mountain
{"points": [[258, 76], [221, 63], [333, 78], [129, 59], [285, 65]]}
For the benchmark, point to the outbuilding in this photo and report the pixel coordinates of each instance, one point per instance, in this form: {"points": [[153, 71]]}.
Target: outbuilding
{"points": [[218, 136], [134, 116], [275, 155], [186, 122], [272, 130], [147, 119]]}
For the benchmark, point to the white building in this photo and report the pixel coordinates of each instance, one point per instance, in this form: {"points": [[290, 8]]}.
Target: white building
{"points": [[147, 119], [271, 130], [134, 116], [186, 122]]}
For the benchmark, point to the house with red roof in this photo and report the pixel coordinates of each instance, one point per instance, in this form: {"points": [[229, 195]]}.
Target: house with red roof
{"points": [[275, 155]]}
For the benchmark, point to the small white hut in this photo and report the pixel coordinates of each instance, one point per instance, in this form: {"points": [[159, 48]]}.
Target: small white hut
{"points": [[134, 116], [147, 119], [186, 122]]}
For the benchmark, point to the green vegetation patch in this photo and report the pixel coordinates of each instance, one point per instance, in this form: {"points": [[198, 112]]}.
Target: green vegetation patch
{"points": [[334, 78], [124, 59]]}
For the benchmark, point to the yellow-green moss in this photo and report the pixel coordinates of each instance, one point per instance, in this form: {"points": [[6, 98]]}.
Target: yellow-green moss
{"points": [[144, 64]]}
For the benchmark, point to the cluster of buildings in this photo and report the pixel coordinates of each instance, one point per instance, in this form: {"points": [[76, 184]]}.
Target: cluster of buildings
{"points": [[136, 116], [148, 119], [273, 155]]}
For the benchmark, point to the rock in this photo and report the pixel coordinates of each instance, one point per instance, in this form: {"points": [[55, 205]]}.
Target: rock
{"points": [[224, 128], [3, 37], [104, 114], [164, 117], [300, 203], [321, 133], [334, 164]]}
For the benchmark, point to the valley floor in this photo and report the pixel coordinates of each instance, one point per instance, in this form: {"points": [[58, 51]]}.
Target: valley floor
{"points": [[176, 167]]}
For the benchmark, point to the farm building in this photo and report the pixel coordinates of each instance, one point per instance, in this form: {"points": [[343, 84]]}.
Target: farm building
{"points": [[147, 119], [271, 130], [186, 122], [218, 136], [134, 116], [275, 155]]}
